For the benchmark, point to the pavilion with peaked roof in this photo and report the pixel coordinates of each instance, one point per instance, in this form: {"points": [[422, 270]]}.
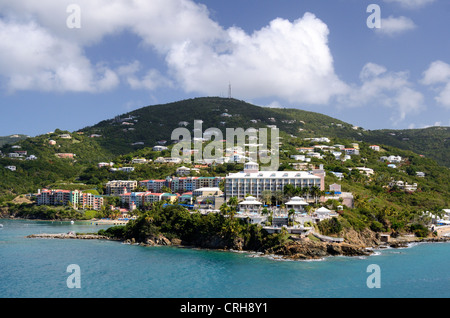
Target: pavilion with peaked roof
{"points": [[296, 203], [250, 204]]}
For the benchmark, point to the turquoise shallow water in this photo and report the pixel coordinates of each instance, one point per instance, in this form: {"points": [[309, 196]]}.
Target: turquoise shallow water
{"points": [[32, 268]]}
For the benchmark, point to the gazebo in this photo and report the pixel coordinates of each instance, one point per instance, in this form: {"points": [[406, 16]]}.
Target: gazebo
{"points": [[296, 203], [250, 204], [323, 213]]}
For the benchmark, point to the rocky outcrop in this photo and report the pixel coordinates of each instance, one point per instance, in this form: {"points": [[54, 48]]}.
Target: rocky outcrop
{"points": [[70, 235], [366, 237], [308, 249]]}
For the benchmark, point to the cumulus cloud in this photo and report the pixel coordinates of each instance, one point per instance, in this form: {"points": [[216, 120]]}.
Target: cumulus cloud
{"points": [[286, 59], [392, 26], [381, 88], [289, 60], [438, 77], [151, 80], [31, 58], [49, 56]]}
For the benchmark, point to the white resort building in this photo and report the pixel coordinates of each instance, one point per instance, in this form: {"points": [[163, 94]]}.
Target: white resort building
{"points": [[253, 182]]}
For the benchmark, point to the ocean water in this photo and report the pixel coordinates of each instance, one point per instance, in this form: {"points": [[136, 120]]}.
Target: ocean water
{"points": [[37, 268]]}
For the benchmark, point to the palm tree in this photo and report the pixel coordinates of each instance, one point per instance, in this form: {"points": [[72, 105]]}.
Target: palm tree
{"points": [[224, 208], [315, 192], [289, 190], [291, 214], [278, 194], [233, 202], [266, 196]]}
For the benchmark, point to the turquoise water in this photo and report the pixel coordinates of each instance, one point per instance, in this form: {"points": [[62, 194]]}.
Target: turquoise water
{"points": [[34, 268]]}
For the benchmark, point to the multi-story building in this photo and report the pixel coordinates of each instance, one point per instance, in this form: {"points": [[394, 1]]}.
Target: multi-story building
{"points": [[57, 197], [253, 182], [90, 201], [181, 184], [76, 198], [118, 187], [139, 199]]}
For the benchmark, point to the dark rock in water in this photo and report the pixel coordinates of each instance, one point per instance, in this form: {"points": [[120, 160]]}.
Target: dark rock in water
{"points": [[398, 245]]}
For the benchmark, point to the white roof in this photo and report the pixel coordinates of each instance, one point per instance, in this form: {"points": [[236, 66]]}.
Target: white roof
{"points": [[323, 209], [250, 200], [296, 201], [273, 174], [208, 189]]}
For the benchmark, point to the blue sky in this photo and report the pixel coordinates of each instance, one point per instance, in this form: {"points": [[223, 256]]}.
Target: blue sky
{"points": [[68, 67]]}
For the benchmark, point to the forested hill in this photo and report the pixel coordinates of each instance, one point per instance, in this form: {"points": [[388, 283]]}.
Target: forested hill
{"points": [[145, 126]]}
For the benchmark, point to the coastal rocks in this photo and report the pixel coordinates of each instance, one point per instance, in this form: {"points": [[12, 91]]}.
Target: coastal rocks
{"points": [[308, 249], [69, 235], [365, 237], [158, 240]]}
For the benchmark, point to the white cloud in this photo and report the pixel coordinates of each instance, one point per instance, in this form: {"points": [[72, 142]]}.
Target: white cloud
{"points": [[411, 4], [437, 72], [151, 80], [392, 26], [33, 59], [289, 60], [384, 89], [39, 51], [438, 77], [286, 59]]}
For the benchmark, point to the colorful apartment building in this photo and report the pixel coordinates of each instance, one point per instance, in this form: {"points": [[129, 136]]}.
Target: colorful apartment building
{"points": [[118, 187], [140, 199], [76, 198], [181, 184]]}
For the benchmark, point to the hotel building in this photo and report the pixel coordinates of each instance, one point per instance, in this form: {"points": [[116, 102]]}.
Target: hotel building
{"points": [[253, 182]]}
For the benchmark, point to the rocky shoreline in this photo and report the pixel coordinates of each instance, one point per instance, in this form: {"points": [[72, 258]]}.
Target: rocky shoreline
{"points": [[69, 235], [296, 249]]}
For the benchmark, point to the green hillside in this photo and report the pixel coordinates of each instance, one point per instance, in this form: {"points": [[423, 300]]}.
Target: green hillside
{"points": [[144, 127], [378, 205], [12, 139], [433, 142], [150, 124]]}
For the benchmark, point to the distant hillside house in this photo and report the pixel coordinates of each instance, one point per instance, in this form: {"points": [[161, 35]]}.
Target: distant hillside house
{"points": [[159, 148], [65, 155], [420, 174], [351, 151], [185, 171], [139, 160], [375, 147], [404, 185], [12, 168], [105, 164], [124, 169]]}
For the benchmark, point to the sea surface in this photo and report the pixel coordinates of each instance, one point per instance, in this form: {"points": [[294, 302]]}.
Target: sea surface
{"points": [[38, 268]]}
